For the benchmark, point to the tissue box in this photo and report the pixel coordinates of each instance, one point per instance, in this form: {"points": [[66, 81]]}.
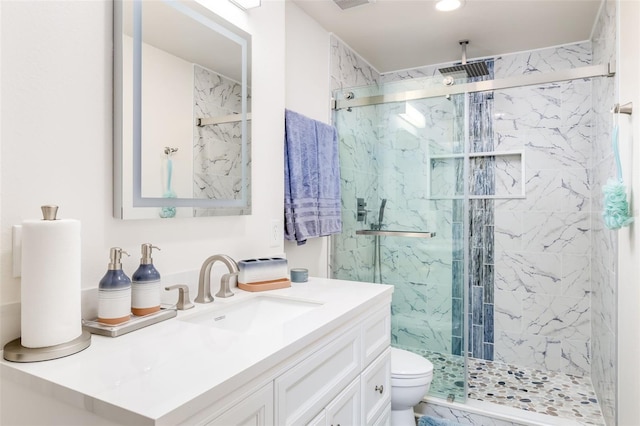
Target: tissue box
{"points": [[263, 274]]}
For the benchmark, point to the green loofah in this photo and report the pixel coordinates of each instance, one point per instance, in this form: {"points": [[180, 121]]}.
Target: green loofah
{"points": [[616, 207]]}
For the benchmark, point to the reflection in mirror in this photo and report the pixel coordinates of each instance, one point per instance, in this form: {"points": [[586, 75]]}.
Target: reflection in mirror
{"points": [[181, 121]]}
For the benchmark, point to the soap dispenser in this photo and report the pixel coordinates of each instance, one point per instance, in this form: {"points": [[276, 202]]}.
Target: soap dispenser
{"points": [[114, 292], [145, 289]]}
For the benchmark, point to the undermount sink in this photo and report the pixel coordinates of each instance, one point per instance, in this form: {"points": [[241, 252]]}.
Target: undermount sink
{"points": [[255, 314]]}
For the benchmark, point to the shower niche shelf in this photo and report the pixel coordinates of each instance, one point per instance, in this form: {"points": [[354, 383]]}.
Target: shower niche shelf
{"points": [[508, 176], [385, 233]]}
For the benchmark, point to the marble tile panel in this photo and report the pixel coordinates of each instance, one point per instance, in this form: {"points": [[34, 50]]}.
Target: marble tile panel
{"points": [[508, 230], [428, 71], [577, 357], [556, 232], [558, 148], [531, 107], [543, 60], [508, 311], [463, 417], [576, 190], [576, 275], [433, 335], [525, 272], [540, 352], [557, 316], [348, 68], [576, 103], [508, 175]]}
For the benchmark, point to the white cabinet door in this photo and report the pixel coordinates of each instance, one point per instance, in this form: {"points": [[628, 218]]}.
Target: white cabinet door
{"points": [[308, 387], [376, 334], [376, 388], [344, 410], [319, 420], [256, 410]]}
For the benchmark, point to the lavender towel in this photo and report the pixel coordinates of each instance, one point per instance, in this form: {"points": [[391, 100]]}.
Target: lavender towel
{"points": [[311, 179]]}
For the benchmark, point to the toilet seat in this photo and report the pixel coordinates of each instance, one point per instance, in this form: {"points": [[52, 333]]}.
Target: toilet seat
{"points": [[407, 365]]}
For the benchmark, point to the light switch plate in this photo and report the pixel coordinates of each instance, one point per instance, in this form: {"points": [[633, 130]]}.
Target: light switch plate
{"points": [[275, 233]]}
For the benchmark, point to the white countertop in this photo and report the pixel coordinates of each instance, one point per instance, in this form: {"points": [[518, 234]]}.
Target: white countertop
{"points": [[165, 367]]}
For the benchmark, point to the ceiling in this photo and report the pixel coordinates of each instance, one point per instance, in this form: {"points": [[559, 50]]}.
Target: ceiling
{"points": [[398, 34]]}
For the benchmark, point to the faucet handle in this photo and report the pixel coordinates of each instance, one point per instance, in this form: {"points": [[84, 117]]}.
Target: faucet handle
{"points": [[184, 302], [225, 290]]}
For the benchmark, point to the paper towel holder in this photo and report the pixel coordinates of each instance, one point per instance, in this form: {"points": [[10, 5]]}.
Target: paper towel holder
{"points": [[14, 351]]}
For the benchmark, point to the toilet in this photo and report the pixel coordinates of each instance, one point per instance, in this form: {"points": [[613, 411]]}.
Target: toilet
{"points": [[411, 377]]}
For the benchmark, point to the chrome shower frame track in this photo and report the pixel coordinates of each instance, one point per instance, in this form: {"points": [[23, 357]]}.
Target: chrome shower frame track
{"points": [[603, 70]]}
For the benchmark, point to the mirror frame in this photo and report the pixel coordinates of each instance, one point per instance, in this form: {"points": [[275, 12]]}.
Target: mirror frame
{"points": [[227, 207]]}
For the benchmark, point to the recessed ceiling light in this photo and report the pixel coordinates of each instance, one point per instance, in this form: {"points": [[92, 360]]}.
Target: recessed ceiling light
{"points": [[246, 4], [449, 5]]}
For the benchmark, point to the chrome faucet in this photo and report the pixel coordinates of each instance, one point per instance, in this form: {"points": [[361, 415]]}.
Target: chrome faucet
{"points": [[204, 283]]}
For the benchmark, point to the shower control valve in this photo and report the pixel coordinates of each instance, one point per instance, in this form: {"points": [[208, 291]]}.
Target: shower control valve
{"points": [[361, 211]]}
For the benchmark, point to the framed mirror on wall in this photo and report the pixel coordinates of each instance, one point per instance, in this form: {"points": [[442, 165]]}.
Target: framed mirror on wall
{"points": [[181, 112]]}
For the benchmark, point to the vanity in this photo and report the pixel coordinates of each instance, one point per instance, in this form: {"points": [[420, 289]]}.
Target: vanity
{"points": [[315, 353]]}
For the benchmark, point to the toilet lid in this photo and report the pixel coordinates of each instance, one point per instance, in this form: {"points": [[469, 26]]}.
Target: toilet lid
{"points": [[405, 363]]}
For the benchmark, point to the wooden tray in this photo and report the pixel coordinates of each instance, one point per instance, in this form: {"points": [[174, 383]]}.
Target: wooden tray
{"points": [[265, 285]]}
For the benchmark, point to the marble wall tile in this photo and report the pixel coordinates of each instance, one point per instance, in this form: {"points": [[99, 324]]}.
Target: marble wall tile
{"points": [[217, 156], [558, 147], [530, 273], [576, 275], [409, 332], [348, 69], [508, 230], [544, 60], [556, 232], [461, 417], [508, 311], [557, 316]]}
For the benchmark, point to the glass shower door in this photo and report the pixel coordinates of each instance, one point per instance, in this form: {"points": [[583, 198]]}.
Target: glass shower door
{"points": [[402, 167]]}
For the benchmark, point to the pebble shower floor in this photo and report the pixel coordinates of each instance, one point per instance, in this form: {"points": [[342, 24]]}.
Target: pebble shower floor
{"points": [[550, 393]]}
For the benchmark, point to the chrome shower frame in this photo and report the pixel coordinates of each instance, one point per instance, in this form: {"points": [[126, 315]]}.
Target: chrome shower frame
{"points": [[602, 70]]}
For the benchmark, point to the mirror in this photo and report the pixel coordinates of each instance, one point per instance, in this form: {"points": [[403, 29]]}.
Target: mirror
{"points": [[181, 112]]}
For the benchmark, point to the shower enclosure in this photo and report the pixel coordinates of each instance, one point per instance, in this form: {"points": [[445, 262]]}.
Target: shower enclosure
{"points": [[474, 201]]}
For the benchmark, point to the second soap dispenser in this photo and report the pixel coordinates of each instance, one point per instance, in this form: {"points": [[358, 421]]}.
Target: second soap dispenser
{"points": [[145, 286]]}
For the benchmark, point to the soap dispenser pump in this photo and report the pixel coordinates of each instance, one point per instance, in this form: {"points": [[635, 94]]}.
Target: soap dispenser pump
{"points": [[114, 291], [145, 289]]}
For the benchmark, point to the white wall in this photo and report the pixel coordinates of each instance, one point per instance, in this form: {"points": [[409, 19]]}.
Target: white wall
{"points": [[56, 118], [308, 93], [629, 238]]}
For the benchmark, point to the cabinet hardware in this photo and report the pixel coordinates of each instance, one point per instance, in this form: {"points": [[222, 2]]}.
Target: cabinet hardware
{"points": [[380, 389]]}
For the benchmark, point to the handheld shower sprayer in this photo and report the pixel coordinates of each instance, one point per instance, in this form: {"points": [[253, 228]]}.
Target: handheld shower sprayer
{"points": [[378, 226], [381, 215]]}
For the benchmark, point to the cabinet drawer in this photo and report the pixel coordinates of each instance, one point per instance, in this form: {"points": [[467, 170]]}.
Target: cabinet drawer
{"points": [[344, 410], [376, 388], [376, 334], [385, 417], [303, 391]]}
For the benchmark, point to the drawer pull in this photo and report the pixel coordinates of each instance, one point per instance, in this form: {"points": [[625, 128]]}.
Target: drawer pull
{"points": [[380, 389]]}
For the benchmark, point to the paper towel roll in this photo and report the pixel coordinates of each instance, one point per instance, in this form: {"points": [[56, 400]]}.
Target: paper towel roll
{"points": [[51, 282]]}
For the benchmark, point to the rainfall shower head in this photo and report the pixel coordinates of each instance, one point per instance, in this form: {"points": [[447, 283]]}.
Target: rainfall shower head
{"points": [[347, 4], [475, 69]]}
